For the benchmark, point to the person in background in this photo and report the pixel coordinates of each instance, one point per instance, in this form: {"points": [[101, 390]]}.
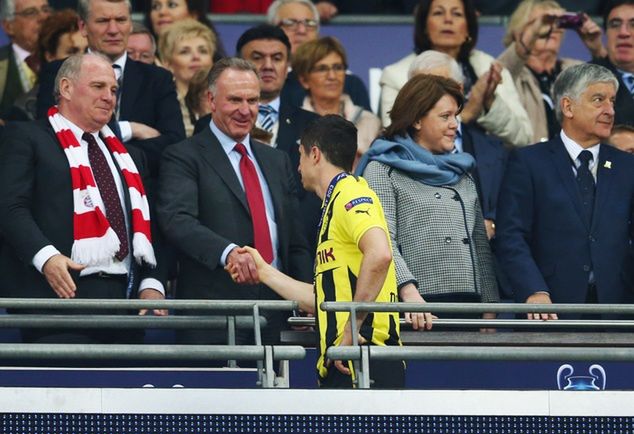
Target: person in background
{"points": [[186, 47], [451, 26], [300, 21], [622, 137], [430, 200], [320, 66], [161, 13], [533, 37], [19, 66], [59, 38], [141, 44], [618, 22]]}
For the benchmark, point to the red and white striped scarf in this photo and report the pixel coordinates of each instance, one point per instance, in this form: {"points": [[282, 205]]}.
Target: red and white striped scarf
{"points": [[95, 242]]}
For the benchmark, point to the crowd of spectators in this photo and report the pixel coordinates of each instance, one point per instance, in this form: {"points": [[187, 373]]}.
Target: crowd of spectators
{"points": [[453, 119]]}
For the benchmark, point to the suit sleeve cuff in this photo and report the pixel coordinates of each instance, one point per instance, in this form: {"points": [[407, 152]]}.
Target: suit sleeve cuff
{"points": [[45, 253], [225, 253], [151, 283], [126, 130]]}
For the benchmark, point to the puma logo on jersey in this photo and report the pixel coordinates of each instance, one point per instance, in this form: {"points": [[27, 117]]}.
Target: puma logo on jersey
{"points": [[362, 211]]}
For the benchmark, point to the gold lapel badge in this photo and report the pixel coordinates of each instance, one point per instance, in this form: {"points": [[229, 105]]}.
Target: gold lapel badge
{"points": [[607, 164]]}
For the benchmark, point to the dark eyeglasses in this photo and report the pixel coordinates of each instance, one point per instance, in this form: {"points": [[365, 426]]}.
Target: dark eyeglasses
{"points": [[325, 69], [34, 12], [292, 24]]}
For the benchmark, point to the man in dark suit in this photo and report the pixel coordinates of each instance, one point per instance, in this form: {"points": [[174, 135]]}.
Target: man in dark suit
{"points": [[75, 236], [617, 19], [565, 218], [21, 21], [268, 48], [219, 190], [148, 115]]}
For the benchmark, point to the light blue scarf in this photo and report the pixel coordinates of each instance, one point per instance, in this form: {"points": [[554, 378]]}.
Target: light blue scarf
{"points": [[407, 156]]}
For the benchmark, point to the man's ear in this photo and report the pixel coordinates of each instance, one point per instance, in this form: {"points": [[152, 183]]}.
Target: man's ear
{"points": [[65, 88], [315, 154], [82, 27], [566, 105], [7, 26]]}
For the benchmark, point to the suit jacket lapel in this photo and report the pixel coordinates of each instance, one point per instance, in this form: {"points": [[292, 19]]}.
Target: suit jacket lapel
{"points": [[215, 157], [605, 177], [563, 165]]}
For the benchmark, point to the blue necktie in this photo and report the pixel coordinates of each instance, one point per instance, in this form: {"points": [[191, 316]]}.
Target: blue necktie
{"points": [[268, 114], [585, 181]]}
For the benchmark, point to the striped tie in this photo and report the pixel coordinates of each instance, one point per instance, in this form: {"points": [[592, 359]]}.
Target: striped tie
{"points": [[268, 114]]}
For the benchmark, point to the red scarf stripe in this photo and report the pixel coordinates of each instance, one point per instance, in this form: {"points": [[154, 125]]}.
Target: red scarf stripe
{"points": [[141, 224], [90, 224], [81, 178], [67, 139], [134, 181]]}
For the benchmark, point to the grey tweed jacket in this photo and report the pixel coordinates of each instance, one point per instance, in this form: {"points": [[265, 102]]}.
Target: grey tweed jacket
{"points": [[438, 237]]}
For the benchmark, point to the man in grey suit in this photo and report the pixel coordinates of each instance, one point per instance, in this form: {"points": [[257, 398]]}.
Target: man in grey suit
{"points": [[218, 190]]}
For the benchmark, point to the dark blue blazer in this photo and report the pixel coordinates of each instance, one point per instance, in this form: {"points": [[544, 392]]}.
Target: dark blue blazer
{"points": [[543, 242], [490, 156], [148, 96]]}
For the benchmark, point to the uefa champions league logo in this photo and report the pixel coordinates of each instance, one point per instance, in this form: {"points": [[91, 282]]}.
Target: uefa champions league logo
{"points": [[595, 381]]}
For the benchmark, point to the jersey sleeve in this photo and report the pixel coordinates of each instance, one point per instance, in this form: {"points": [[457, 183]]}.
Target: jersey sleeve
{"points": [[360, 211]]}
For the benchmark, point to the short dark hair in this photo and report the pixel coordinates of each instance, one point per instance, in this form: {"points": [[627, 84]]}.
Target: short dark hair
{"points": [[263, 31], [419, 95], [335, 137], [612, 5], [421, 38]]}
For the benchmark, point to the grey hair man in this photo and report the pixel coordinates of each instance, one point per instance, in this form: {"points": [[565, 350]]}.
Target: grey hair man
{"points": [[21, 21], [565, 223], [141, 44], [147, 113], [298, 18], [221, 189]]}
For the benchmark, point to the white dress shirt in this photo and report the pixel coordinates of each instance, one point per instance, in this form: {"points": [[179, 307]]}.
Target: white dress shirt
{"points": [[574, 149], [234, 156]]}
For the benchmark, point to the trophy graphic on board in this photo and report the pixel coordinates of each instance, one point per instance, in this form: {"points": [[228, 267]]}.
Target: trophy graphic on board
{"points": [[596, 380]]}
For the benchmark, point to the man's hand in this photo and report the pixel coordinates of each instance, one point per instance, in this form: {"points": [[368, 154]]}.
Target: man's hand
{"points": [[326, 10], [489, 225], [590, 34], [152, 294], [482, 93], [346, 340], [241, 264], [540, 298], [56, 272], [141, 131], [419, 320]]}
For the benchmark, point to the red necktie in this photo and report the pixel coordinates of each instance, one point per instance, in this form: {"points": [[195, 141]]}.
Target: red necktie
{"points": [[255, 199], [108, 191]]}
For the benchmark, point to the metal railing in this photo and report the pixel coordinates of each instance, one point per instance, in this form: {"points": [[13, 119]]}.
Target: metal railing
{"points": [[265, 355], [361, 355]]}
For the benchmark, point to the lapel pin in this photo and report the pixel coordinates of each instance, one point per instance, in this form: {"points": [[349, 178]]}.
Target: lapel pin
{"points": [[607, 164], [288, 121]]}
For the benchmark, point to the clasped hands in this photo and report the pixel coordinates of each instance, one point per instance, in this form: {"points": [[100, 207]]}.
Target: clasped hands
{"points": [[243, 264]]}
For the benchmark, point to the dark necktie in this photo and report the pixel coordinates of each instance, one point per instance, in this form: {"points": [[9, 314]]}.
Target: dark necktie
{"points": [[268, 117], [255, 199], [108, 191], [585, 180]]}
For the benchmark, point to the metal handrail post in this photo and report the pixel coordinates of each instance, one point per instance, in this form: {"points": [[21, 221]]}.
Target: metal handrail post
{"points": [[231, 338], [364, 374], [268, 373], [257, 335], [355, 342]]}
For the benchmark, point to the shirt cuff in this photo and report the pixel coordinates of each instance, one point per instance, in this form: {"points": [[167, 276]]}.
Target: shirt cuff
{"points": [[225, 253], [151, 283], [45, 253], [126, 130]]}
